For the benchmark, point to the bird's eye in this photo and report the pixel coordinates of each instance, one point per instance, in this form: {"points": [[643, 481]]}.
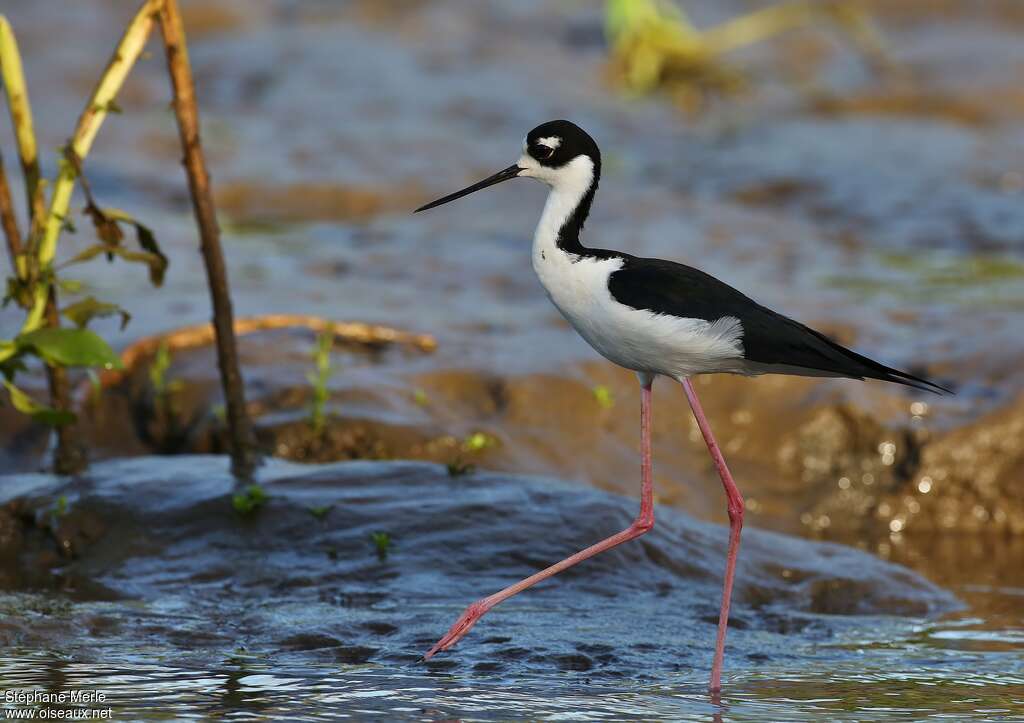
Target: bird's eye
{"points": [[543, 152]]}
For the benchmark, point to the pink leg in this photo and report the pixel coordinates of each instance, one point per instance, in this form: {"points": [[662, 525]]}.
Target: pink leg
{"points": [[735, 527], [643, 523]]}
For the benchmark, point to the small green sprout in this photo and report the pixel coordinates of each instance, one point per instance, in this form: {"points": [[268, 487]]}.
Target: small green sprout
{"points": [[158, 369], [318, 379], [478, 441], [162, 386], [60, 506], [473, 444], [604, 397], [249, 500], [420, 397], [320, 511], [383, 543]]}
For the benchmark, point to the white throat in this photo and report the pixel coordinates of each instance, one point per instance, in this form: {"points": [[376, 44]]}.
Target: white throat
{"points": [[568, 186]]}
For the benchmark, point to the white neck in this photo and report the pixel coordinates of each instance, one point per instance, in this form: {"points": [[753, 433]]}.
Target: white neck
{"points": [[568, 186]]}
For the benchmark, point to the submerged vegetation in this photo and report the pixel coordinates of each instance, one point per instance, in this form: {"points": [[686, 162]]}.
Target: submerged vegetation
{"points": [[656, 47], [318, 379], [249, 500], [383, 544]]}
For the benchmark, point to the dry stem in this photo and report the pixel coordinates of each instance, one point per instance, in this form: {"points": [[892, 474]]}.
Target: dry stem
{"points": [[242, 441]]}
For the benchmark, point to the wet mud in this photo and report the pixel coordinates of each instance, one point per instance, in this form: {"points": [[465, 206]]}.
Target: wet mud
{"points": [[809, 462], [169, 560], [174, 601]]}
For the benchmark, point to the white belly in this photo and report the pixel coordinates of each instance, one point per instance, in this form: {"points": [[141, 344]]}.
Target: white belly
{"points": [[634, 338]]}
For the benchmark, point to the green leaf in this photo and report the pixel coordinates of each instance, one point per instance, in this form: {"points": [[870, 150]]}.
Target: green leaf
{"points": [[84, 311], [157, 262], [249, 500], [39, 412], [70, 347], [70, 286], [144, 235]]}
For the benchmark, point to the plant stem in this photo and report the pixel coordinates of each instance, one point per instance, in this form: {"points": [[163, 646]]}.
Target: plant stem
{"points": [[243, 452], [21, 111], [9, 220], [70, 456]]}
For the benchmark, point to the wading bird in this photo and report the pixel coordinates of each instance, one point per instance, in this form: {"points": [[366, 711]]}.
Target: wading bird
{"points": [[653, 317]]}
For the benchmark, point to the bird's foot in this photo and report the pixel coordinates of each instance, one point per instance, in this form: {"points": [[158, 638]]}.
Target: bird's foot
{"points": [[468, 619]]}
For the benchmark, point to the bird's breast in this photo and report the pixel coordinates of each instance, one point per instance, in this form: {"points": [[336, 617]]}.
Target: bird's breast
{"points": [[636, 339]]}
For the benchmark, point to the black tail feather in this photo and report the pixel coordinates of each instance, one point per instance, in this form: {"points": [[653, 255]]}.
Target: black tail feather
{"points": [[861, 367], [823, 354]]}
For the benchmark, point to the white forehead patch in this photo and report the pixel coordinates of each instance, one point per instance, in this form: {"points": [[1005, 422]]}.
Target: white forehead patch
{"points": [[551, 142]]}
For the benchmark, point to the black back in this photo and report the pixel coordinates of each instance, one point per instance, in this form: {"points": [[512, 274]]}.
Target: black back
{"points": [[666, 287]]}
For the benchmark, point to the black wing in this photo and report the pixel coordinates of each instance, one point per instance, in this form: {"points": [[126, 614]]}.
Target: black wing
{"points": [[665, 287]]}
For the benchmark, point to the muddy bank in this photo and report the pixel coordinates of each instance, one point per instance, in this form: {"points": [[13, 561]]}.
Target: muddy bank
{"points": [[809, 459], [153, 548]]}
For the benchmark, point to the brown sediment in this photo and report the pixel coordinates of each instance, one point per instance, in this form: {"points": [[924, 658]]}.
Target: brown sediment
{"points": [[254, 202], [775, 191], [212, 17], [909, 104], [969, 480], [809, 458]]}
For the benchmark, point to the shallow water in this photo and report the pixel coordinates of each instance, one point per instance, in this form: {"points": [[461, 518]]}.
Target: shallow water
{"points": [[190, 610], [268, 689]]}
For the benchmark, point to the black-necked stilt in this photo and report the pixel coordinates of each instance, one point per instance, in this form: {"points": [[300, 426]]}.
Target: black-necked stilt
{"points": [[656, 318]]}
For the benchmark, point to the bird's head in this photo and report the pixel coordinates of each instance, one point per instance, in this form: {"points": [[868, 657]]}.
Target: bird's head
{"points": [[558, 153]]}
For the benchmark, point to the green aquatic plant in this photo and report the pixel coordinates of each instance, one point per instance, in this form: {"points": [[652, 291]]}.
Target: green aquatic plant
{"points": [[60, 506], [35, 274], [974, 280], [162, 387], [472, 444], [318, 380], [478, 441], [320, 512], [655, 46], [382, 543], [249, 500], [420, 397]]}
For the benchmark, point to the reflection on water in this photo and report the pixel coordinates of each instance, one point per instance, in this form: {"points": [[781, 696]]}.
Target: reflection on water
{"points": [[926, 672]]}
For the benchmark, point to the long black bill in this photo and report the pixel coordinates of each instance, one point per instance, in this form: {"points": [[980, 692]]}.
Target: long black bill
{"points": [[510, 172]]}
